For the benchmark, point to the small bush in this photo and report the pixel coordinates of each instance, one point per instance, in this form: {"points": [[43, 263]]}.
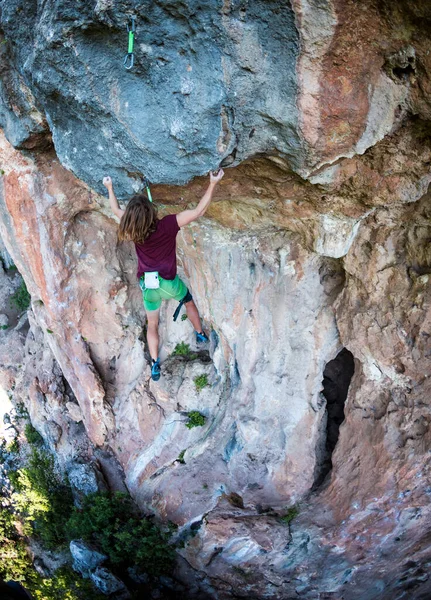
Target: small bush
{"points": [[184, 317], [13, 446], [21, 298], [4, 327], [180, 458], [181, 349], [33, 436], [112, 524], [201, 381], [196, 419], [291, 513]]}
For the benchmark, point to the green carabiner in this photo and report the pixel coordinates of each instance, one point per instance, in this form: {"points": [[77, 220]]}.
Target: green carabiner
{"points": [[147, 188], [129, 59]]}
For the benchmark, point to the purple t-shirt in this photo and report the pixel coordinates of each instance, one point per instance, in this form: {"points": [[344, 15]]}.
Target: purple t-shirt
{"points": [[159, 252]]}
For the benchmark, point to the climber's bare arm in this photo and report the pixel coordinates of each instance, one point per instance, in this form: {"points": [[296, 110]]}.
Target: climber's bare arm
{"points": [[187, 216], [107, 182]]}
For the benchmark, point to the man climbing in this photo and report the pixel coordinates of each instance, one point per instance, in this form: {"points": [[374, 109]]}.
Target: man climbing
{"points": [[155, 244]]}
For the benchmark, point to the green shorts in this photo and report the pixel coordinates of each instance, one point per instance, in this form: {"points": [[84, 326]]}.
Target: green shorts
{"points": [[169, 289]]}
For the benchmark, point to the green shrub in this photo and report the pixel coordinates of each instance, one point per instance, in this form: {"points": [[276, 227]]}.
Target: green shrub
{"points": [[42, 499], [16, 564], [4, 327], [20, 299], [13, 446], [291, 513], [180, 458], [201, 381], [184, 317], [196, 419], [33, 436], [112, 524], [181, 349]]}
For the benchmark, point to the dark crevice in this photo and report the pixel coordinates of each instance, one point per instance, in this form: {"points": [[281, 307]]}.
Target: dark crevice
{"points": [[336, 380]]}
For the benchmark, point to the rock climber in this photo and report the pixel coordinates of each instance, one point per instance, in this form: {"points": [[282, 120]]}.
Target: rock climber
{"points": [[155, 244]]}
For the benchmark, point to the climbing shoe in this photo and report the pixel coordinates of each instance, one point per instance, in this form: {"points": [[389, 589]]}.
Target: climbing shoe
{"points": [[155, 370], [202, 338]]}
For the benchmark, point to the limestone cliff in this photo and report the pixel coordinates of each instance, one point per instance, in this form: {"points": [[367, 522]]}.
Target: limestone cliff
{"points": [[316, 255]]}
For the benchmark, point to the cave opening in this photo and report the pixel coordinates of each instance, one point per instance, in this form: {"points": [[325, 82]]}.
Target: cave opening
{"points": [[336, 381]]}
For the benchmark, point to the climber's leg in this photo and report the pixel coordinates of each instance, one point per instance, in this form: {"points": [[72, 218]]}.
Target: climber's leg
{"points": [[153, 333], [152, 303], [193, 315]]}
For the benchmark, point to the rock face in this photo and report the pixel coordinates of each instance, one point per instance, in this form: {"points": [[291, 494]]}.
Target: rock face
{"points": [[317, 248]]}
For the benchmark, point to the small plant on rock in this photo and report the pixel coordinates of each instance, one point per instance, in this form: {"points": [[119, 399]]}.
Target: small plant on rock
{"points": [[291, 513], [196, 419], [180, 458], [184, 317], [33, 436], [181, 349], [201, 381], [21, 298]]}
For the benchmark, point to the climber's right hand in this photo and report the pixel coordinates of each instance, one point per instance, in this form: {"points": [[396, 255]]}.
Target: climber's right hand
{"points": [[107, 182], [216, 176]]}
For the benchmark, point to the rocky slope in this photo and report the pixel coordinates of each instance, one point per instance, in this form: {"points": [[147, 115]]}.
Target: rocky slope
{"points": [[318, 241]]}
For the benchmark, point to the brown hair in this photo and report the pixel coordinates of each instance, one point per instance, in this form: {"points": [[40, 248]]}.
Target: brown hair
{"points": [[139, 220]]}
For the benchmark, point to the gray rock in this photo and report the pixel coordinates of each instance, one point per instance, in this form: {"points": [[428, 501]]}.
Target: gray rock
{"points": [[85, 479], [75, 411], [53, 432], [85, 558], [137, 576], [4, 321], [190, 102], [41, 568], [108, 583]]}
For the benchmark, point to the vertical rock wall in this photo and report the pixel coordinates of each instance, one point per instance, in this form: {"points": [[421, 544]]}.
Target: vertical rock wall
{"points": [[319, 240]]}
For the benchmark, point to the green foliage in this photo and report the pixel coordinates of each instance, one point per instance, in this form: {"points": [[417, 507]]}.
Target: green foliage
{"points": [[64, 585], [33, 436], [181, 349], [20, 411], [196, 419], [4, 327], [184, 317], [16, 564], [180, 458], [42, 499], [112, 524], [20, 299], [13, 446], [201, 381], [291, 513], [49, 331]]}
